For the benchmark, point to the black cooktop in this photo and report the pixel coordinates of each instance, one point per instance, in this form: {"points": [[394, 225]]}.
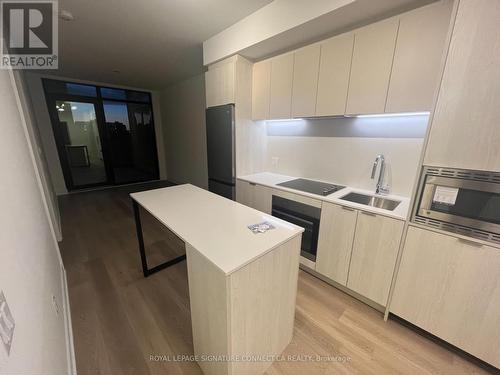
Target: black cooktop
{"points": [[314, 187]]}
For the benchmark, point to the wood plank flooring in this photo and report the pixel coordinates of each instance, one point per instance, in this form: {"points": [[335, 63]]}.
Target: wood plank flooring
{"points": [[123, 323]]}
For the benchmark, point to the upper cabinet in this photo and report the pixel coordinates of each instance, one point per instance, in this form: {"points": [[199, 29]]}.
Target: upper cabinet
{"points": [[220, 83], [281, 87], [417, 59], [261, 90], [305, 81], [371, 67], [465, 130], [389, 66], [334, 68]]}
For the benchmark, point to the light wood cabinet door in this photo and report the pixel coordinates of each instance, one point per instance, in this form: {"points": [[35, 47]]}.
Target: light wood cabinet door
{"points": [[281, 87], [263, 197], [465, 130], [417, 60], [220, 84], [336, 236], [371, 67], [334, 68], [305, 81], [451, 288], [261, 86], [376, 245], [255, 196], [245, 193]]}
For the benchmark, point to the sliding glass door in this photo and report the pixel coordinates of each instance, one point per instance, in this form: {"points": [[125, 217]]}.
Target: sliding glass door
{"points": [[132, 141], [104, 136], [81, 143]]}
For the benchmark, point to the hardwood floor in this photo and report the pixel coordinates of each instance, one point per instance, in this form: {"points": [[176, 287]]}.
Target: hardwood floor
{"points": [[123, 323]]}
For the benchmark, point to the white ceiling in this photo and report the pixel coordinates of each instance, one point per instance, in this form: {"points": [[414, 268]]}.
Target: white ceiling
{"points": [[152, 43]]}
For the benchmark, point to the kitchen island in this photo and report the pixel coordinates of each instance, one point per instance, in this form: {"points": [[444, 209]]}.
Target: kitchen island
{"points": [[242, 285]]}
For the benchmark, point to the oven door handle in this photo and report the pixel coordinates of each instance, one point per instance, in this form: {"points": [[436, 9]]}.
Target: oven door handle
{"points": [[293, 218]]}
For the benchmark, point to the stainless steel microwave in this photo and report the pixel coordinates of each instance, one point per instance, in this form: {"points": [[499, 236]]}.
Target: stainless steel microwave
{"points": [[462, 201]]}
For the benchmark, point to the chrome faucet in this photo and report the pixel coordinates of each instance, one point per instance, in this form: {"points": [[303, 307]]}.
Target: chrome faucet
{"points": [[381, 189]]}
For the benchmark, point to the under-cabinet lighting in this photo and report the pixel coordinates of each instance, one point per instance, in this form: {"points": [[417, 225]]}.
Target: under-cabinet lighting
{"points": [[374, 115], [285, 120], [392, 114]]}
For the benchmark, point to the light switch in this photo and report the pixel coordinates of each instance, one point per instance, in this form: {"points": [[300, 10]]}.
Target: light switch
{"points": [[7, 323]]}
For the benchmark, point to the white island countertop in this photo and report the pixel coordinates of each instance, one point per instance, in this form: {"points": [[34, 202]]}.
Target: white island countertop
{"points": [[215, 226], [273, 179]]}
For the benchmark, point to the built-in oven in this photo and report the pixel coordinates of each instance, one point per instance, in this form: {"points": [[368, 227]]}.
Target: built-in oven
{"points": [[461, 201], [303, 215]]}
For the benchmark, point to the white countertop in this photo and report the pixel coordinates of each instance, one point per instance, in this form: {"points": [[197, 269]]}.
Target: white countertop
{"points": [[272, 179], [215, 226]]}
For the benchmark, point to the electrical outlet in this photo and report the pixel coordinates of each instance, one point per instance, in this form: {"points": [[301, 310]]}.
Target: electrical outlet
{"points": [[7, 323], [56, 306], [275, 162]]}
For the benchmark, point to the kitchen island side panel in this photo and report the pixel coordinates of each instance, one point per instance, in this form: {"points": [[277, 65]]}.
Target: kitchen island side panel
{"points": [[246, 316], [209, 312], [262, 307]]}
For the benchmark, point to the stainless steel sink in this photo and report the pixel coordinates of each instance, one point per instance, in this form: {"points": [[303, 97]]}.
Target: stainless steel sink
{"points": [[370, 200]]}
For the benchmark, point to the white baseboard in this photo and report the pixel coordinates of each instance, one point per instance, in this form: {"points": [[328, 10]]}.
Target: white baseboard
{"points": [[70, 347]]}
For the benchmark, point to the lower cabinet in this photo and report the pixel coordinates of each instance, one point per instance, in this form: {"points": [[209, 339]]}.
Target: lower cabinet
{"points": [[244, 193], [263, 199], [451, 288], [336, 236], [255, 196], [358, 249], [374, 254]]}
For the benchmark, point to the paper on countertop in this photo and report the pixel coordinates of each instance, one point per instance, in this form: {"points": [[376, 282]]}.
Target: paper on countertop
{"points": [[261, 227], [445, 195]]}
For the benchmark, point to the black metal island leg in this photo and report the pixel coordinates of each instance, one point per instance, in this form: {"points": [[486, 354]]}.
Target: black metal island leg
{"points": [[140, 238]]}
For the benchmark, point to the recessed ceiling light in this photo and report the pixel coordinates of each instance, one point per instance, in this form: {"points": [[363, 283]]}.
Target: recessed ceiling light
{"points": [[66, 15]]}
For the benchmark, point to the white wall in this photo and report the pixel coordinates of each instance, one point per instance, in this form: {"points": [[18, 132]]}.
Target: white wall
{"points": [[343, 150], [41, 161], [269, 21], [41, 114], [42, 119], [31, 273], [184, 132]]}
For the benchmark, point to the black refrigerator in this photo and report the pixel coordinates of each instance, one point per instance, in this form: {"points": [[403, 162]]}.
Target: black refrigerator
{"points": [[220, 150]]}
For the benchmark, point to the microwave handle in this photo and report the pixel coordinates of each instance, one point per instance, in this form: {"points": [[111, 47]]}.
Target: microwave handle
{"points": [[427, 194]]}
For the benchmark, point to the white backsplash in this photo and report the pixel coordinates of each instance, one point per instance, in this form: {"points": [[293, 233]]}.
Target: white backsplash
{"points": [[346, 161]]}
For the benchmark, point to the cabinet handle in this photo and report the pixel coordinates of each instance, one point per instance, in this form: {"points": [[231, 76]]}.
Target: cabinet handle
{"points": [[347, 208], [368, 213], [252, 183], [470, 242]]}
